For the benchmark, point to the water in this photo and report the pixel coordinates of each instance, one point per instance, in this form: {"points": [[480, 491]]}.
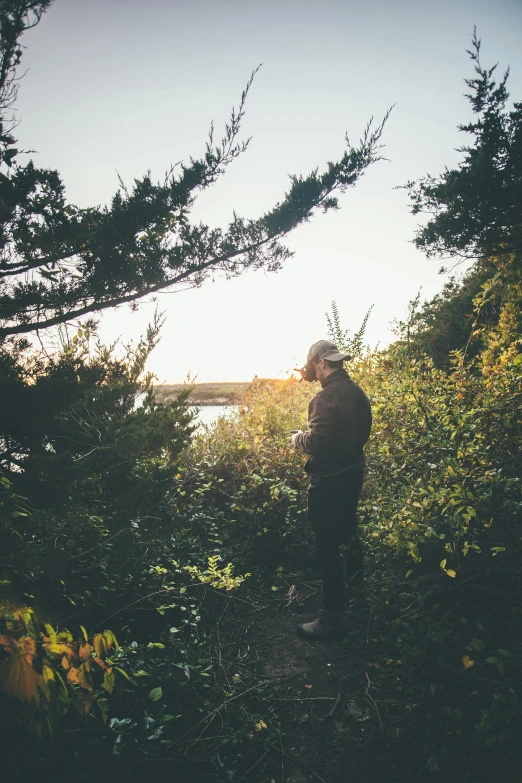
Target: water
{"points": [[208, 414]]}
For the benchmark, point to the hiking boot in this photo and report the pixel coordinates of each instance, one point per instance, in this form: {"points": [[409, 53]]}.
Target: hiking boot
{"points": [[328, 626]]}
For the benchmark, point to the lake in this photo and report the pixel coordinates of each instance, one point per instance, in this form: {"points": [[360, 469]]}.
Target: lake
{"points": [[208, 414]]}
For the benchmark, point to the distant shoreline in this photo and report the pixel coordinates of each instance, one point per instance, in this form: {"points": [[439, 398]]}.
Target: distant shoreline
{"points": [[227, 393]]}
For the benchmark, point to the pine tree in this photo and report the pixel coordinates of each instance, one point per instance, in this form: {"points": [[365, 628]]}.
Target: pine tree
{"points": [[60, 262]]}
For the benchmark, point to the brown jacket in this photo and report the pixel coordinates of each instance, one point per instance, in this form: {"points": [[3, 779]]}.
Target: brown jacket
{"points": [[340, 420]]}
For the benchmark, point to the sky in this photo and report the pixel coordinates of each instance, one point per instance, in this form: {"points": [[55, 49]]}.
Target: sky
{"points": [[127, 86]]}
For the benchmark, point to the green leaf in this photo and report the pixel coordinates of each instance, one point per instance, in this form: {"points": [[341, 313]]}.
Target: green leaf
{"points": [[505, 653], [155, 694], [84, 632], [108, 681], [122, 671], [491, 659], [477, 644]]}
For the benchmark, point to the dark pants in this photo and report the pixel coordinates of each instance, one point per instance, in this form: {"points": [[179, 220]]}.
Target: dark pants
{"points": [[332, 509]]}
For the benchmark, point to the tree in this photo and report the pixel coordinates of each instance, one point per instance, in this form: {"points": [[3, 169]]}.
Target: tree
{"points": [[475, 210], [59, 262]]}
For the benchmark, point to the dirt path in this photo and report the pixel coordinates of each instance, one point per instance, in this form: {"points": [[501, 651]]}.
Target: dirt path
{"points": [[328, 709]]}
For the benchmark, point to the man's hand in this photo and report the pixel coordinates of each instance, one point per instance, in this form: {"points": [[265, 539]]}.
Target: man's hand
{"points": [[294, 436]]}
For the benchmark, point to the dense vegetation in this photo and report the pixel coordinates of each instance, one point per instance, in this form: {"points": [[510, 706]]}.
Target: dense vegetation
{"points": [[129, 643]]}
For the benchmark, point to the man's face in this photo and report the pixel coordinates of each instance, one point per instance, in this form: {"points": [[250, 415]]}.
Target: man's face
{"points": [[321, 369]]}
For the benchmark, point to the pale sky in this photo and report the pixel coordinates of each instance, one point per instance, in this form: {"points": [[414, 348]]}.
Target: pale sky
{"points": [[130, 85]]}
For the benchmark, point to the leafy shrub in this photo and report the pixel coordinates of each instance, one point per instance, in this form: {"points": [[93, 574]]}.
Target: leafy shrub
{"points": [[240, 478], [44, 672]]}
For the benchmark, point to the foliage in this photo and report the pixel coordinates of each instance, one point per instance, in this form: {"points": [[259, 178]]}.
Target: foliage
{"points": [[475, 209], [43, 673], [355, 345], [242, 477], [117, 510], [60, 262], [91, 451], [444, 469]]}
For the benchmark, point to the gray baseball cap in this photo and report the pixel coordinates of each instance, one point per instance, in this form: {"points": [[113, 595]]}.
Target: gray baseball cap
{"points": [[324, 349]]}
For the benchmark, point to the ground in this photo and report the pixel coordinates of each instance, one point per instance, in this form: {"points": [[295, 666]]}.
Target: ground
{"points": [[308, 711]]}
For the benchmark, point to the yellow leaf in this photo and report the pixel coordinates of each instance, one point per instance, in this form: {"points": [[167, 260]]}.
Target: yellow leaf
{"points": [[57, 649], [51, 633], [467, 662], [99, 644], [45, 679], [110, 640], [451, 572], [108, 681]]}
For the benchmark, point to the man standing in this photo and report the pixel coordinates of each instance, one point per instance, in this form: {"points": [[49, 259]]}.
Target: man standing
{"points": [[339, 420]]}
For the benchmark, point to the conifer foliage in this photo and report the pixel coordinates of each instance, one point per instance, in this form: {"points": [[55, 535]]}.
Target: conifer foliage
{"points": [[59, 262], [475, 208]]}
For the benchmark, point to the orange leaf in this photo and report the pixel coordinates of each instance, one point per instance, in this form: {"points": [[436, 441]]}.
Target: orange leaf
{"points": [[65, 662], [27, 648], [9, 642], [73, 675], [18, 678], [85, 681], [85, 651], [100, 663]]}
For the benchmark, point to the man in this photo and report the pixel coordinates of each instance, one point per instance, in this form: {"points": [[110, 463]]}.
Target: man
{"points": [[339, 419]]}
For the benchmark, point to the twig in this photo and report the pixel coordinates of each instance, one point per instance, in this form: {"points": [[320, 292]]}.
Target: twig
{"points": [[332, 712], [137, 601], [309, 698], [223, 704], [260, 759], [373, 702], [301, 764]]}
